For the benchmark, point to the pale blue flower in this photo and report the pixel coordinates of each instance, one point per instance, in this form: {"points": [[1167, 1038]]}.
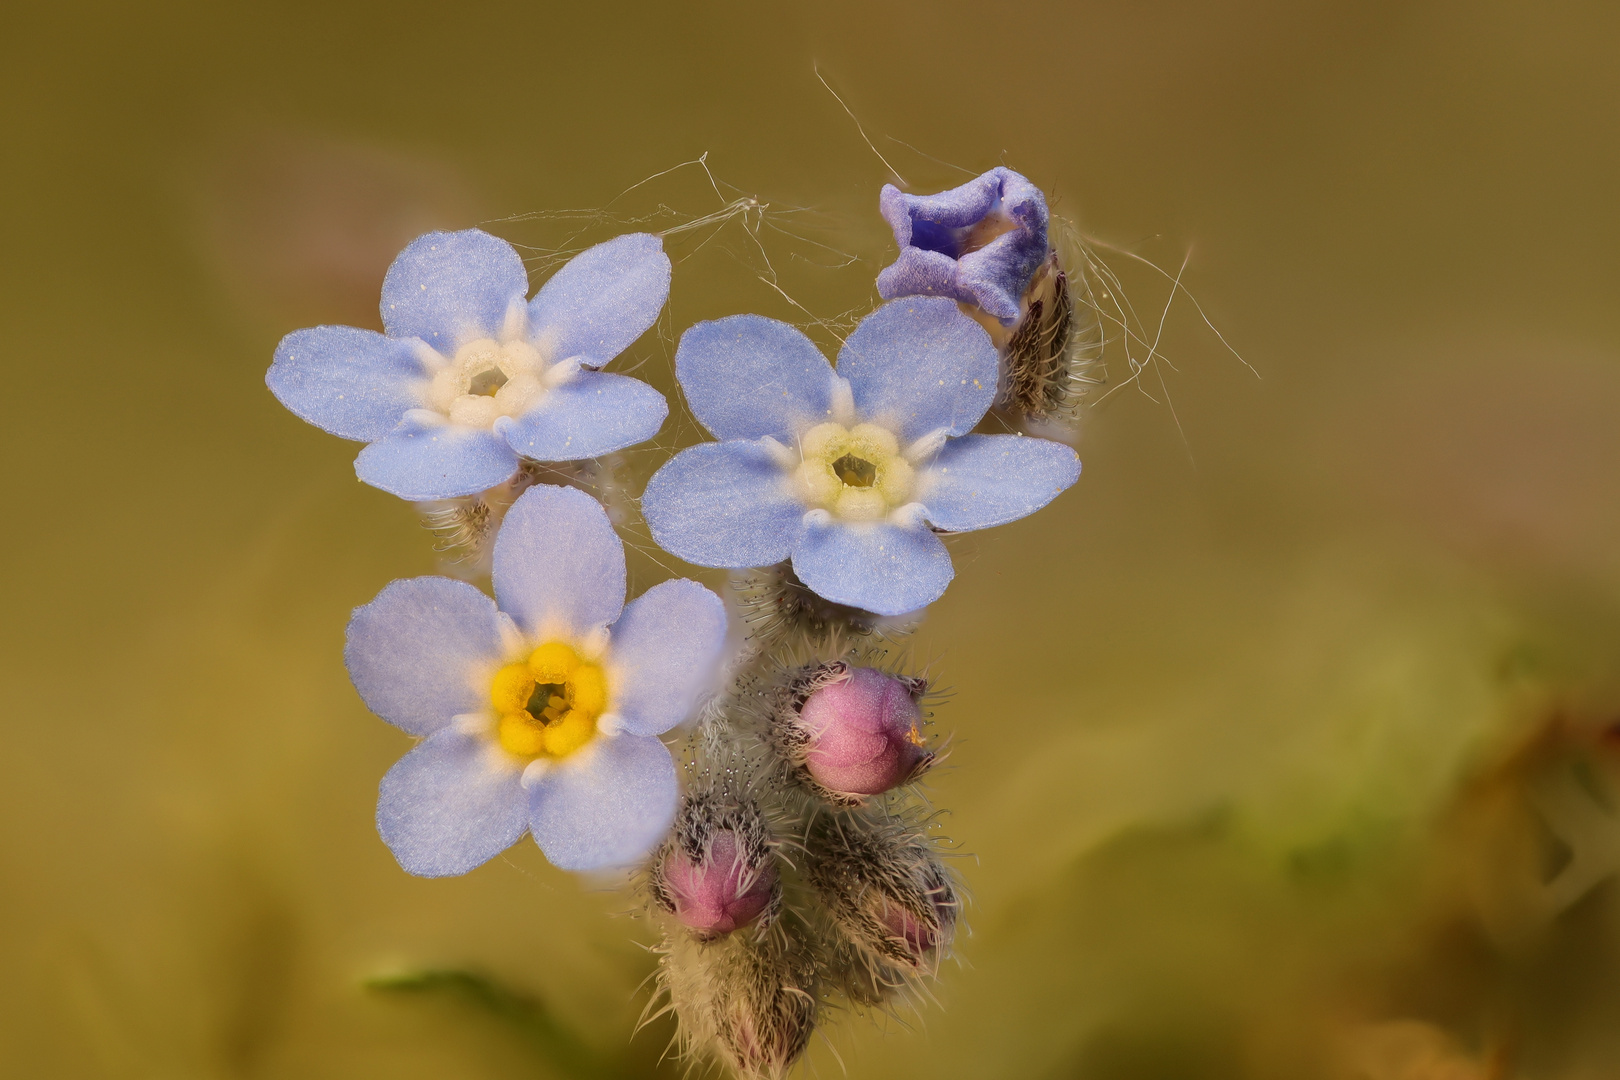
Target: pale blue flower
{"points": [[540, 710], [844, 472], [469, 376], [979, 243]]}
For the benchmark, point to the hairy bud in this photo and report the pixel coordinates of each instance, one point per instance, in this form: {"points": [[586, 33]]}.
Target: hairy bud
{"points": [[750, 1000], [852, 732], [717, 874], [888, 893], [721, 891]]}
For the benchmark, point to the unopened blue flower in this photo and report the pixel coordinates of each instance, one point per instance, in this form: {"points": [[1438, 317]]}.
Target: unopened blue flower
{"points": [[979, 243], [844, 472], [469, 376], [541, 709]]}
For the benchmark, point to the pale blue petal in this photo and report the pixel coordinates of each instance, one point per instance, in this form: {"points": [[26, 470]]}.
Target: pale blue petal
{"points": [[746, 376], [982, 480], [609, 805], [723, 504], [601, 300], [449, 288], [353, 383], [918, 365], [665, 650], [594, 413], [435, 460], [558, 566], [417, 652], [451, 804], [882, 568]]}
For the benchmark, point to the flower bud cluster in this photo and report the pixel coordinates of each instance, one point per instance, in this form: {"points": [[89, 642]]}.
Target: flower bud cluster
{"points": [[823, 876]]}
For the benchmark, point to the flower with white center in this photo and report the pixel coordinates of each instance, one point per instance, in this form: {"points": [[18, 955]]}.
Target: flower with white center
{"points": [[979, 243], [845, 471], [470, 376], [540, 710]]}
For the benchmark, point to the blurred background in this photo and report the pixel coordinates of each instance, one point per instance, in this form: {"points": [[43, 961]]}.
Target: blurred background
{"points": [[1285, 743]]}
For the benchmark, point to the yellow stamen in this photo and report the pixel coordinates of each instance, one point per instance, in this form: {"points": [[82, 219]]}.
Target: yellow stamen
{"points": [[861, 504], [570, 733], [522, 734], [895, 479], [824, 441], [511, 689], [587, 690], [553, 662], [818, 484], [872, 442]]}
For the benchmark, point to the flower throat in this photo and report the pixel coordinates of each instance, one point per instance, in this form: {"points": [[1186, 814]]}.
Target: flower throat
{"points": [[548, 704]]}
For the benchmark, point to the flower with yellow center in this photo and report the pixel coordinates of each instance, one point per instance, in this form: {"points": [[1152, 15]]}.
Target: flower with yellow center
{"points": [[849, 471], [540, 711], [469, 377]]}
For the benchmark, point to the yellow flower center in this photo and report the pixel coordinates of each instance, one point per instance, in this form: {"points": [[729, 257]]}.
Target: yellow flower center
{"points": [[548, 704], [486, 380], [857, 473]]}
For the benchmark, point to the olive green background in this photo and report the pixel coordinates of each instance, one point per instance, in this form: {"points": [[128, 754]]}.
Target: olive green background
{"points": [[1206, 706]]}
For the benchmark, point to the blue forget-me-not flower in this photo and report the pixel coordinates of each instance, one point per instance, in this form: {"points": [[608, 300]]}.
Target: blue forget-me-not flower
{"points": [[540, 710], [845, 471], [470, 376], [979, 243]]}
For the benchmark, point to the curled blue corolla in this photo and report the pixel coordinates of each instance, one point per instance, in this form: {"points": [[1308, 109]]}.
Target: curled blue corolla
{"points": [[470, 376], [979, 243], [847, 472], [539, 710]]}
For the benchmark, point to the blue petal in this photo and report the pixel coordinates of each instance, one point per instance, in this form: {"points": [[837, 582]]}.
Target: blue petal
{"points": [[353, 383], [608, 805], [936, 233], [449, 288], [451, 804], [932, 222], [723, 504], [995, 276], [431, 459], [883, 568], [665, 649], [418, 652], [558, 565], [601, 300], [746, 376], [594, 413], [919, 365], [982, 480], [919, 272]]}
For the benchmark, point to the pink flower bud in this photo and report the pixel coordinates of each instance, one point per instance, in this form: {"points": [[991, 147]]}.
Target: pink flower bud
{"points": [[886, 891], [861, 732], [914, 936], [722, 891]]}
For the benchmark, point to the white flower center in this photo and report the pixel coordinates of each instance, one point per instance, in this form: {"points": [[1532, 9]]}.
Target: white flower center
{"points": [[487, 380], [858, 474]]}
